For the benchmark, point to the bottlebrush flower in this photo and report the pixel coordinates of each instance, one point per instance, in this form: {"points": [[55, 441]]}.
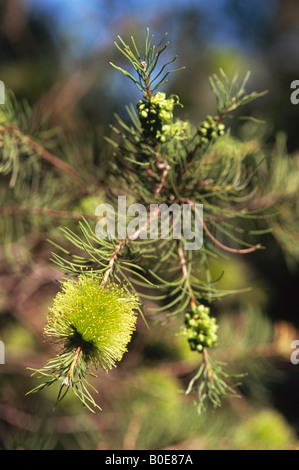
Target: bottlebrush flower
{"points": [[92, 324], [99, 320]]}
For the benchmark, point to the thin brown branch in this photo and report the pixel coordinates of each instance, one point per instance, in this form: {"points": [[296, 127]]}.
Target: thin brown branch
{"points": [[44, 211], [57, 162], [208, 367], [121, 245], [183, 265], [217, 242], [69, 378], [164, 168], [146, 81], [45, 154]]}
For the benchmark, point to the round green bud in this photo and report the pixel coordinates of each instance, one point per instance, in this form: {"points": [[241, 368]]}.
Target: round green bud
{"points": [[192, 322], [168, 106], [159, 96], [203, 131], [187, 317], [209, 342], [166, 128], [201, 338], [144, 114]]}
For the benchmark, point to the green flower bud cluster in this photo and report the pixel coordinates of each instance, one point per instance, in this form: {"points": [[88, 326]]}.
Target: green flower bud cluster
{"points": [[175, 130], [200, 328], [210, 129], [157, 114]]}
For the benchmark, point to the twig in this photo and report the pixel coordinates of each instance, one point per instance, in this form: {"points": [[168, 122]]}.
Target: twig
{"points": [[164, 168], [121, 245], [70, 374], [218, 243], [45, 154], [208, 367], [44, 211], [185, 274], [113, 259], [146, 81]]}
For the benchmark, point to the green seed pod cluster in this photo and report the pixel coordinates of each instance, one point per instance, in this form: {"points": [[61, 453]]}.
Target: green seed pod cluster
{"points": [[200, 328], [156, 114], [210, 129]]}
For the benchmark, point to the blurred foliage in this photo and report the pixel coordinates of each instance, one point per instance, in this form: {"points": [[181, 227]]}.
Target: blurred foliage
{"points": [[45, 63]]}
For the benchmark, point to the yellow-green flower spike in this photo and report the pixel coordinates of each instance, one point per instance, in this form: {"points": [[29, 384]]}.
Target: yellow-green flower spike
{"points": [[93, 324], [99, 320]]}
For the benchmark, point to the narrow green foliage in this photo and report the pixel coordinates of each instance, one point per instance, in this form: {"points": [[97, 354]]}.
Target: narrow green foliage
{"points": [[68, 369], [148, 78], [230, 95], [157, 161], [211, 384], [17, 131], [187, 165]]}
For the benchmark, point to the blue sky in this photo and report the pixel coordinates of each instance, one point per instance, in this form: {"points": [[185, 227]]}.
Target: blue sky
{"points": [[87, 21]]}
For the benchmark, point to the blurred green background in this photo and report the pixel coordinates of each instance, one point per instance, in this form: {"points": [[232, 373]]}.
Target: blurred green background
{"points": [[56, 54]]}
